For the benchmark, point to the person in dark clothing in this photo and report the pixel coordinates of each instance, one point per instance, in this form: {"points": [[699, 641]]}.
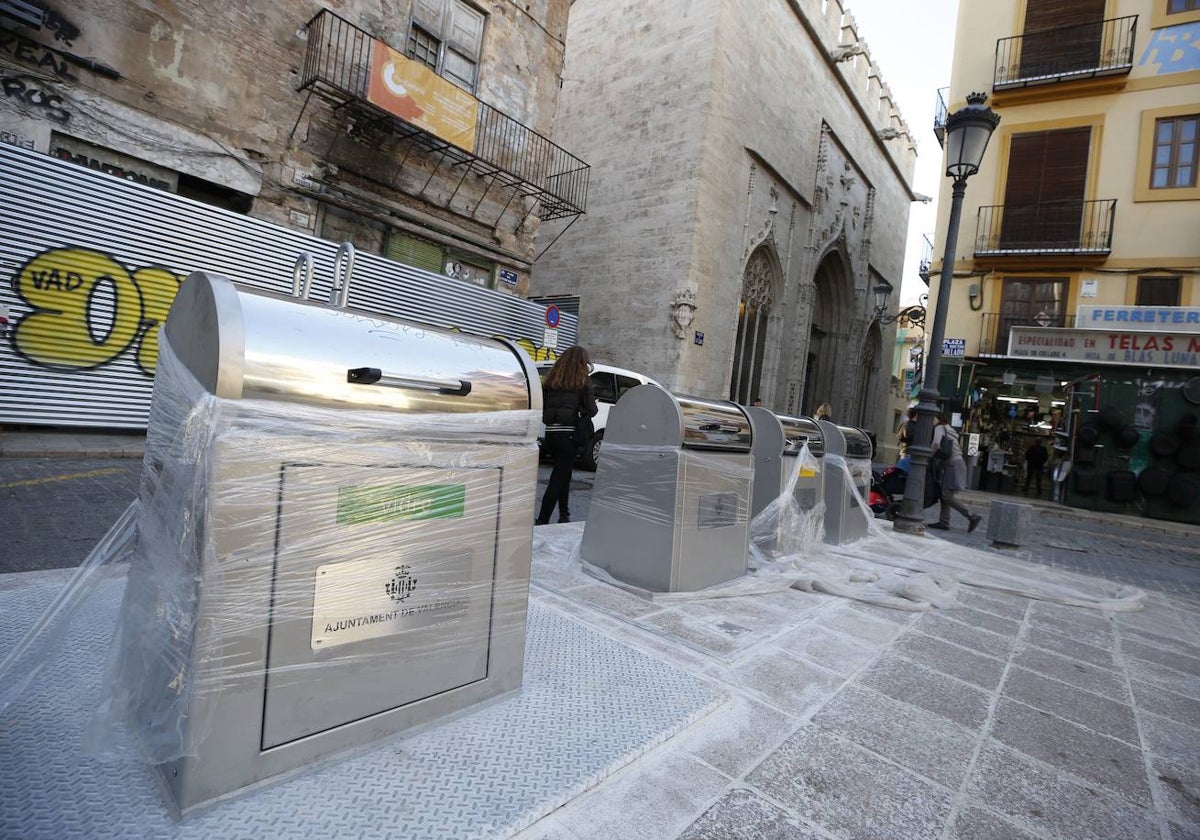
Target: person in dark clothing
{"points": [[1035, 463], [567, 396], [908, 431]]}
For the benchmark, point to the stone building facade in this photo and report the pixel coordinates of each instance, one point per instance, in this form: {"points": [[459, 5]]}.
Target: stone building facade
{"points": [[750, 186], [261, 107]]}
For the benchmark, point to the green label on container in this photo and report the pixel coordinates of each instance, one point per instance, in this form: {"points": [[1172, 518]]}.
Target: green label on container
{"points": [[400, 503]]}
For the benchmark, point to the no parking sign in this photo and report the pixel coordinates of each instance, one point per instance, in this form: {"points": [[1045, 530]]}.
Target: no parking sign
{"points": [[550, 337]]}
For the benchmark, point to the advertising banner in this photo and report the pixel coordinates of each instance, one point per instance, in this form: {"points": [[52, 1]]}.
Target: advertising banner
{"points": [[417, 95], [1111, 347], [1175, 318]]}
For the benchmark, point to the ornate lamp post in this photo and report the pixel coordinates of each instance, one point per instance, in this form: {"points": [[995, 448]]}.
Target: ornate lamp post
{"points": [[909, 316], [967, 133]]}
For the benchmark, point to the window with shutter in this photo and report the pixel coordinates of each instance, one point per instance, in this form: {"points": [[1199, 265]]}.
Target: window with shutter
{"points": [[1031, 302], [1045, 188], [1061, 36], [1158, 291], [419, 253], [447, 37]]}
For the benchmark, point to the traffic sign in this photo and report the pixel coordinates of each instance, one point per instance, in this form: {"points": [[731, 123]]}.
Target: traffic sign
{"points": [[552, 316]]}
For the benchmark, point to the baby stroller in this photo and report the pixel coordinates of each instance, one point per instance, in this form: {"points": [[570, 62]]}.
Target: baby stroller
{"points": [[887, 489]]}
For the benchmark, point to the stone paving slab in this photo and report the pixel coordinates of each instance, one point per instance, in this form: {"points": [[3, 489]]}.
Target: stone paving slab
{"points": [[993, 720]]}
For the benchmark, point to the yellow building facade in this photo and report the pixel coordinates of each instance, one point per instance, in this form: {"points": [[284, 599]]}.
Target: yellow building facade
{"points": [[1076, 293]]}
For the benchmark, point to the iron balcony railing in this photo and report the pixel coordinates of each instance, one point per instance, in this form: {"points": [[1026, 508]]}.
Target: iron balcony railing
{"points": [[1054, 227], [995, 326], [926, 257], [1066, 53], [337, 66], [940, 112]]}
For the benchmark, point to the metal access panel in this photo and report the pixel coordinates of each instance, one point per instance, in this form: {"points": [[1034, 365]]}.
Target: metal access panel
{"points": [[415, 595], [424, 618]]}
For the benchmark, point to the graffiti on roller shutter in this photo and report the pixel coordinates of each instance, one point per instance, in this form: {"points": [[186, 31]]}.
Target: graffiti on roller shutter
{"points": [[87, 309]]}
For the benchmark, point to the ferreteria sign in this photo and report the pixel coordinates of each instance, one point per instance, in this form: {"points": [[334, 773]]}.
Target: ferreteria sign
{"points": [[1184, 319], [1111, 347]]}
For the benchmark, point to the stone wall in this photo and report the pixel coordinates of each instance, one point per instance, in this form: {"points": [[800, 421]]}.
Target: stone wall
{"points": [[704, 124], [213, 94]]}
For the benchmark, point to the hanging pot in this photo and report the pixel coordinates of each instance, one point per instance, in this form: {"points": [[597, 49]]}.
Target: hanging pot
{"points": [[1152, 481], [1186, 428], [1087, 482], [1188, 456], [1089, 433], [1164, 444], [1120, 485], [1127, 437], [1181, 492], [1191, 390]]}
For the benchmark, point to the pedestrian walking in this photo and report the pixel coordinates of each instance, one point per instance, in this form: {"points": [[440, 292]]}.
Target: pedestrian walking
{"points": [[824, 412], [1036, 457], [948, 451], [567, 400], [908, 431]]}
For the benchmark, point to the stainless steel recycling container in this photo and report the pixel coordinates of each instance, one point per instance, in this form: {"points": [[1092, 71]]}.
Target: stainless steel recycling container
{"points": [[846, 513], [360, 560], [671, 503], [778, 441]]}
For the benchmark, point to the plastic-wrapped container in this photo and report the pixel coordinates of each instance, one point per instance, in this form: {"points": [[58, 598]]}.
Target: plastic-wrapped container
{"points": [[847, 480], [671, 504], [334, 538]]}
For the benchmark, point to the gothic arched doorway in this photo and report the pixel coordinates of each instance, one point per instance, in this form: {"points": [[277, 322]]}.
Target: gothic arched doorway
{"points": [[824, 372]]}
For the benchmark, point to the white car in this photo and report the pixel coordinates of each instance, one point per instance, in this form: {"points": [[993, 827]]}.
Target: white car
{"points": [[609, 384]]}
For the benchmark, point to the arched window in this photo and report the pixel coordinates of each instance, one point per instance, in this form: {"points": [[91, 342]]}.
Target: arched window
{"points": [[754, 309]]}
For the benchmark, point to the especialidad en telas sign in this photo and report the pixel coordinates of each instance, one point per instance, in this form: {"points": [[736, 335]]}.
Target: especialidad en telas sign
{"points": [[1114, 347]]}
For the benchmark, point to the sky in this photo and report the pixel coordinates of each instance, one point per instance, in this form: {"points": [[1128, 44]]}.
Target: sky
{"points": [[912, 41]]}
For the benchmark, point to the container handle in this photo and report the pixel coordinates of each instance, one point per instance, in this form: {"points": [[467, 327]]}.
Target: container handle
{"points": [[343, 269], [374, 376], [302, 276]]}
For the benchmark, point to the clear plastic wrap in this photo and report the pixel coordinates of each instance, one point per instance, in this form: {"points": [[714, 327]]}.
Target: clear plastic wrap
{"points": [[283, 544], [301, 569], [787, 548], [668, 518]]}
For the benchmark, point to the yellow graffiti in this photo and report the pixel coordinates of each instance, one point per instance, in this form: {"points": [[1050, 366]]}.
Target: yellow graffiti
{"points": [[88, 309], [159, 288], [537, 353]]}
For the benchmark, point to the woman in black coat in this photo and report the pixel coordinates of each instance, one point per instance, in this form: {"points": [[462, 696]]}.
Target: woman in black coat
{"points": [[567, 396]]}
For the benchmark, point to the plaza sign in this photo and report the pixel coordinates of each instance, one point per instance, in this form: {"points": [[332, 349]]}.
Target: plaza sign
{"points": [[1111, 347], [1178, 318]]}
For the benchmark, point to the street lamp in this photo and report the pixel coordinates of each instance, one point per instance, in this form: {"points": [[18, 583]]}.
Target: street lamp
{"points": [[909, 316], [967, 133]]}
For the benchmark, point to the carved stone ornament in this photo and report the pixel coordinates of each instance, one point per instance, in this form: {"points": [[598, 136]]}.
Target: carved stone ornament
{"points": [[683, 311]]}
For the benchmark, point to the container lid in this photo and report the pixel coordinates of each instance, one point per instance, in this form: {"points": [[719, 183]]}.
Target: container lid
{"points": [[798, 431], [250, 344]]}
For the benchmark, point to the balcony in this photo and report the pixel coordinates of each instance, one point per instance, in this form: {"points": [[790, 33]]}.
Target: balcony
{"points": [[337, 68], [926, 257], [1064, 54], [940, 112], [1071, 228], [995, 326]]}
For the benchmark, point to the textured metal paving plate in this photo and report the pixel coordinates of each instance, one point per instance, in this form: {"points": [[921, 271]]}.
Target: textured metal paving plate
{"points": [[588, 707]]}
